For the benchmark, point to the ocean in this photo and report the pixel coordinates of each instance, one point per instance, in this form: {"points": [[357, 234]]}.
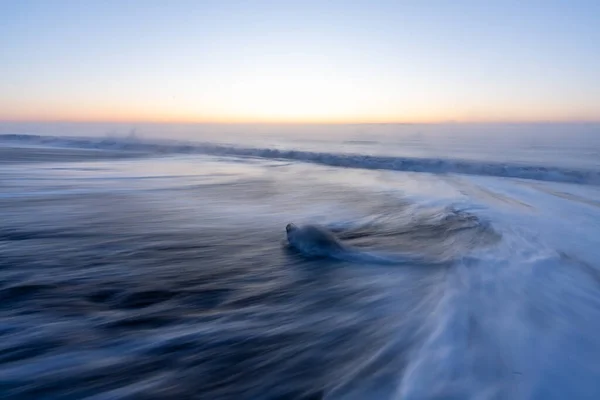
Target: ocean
{"points": [[152, 263]]}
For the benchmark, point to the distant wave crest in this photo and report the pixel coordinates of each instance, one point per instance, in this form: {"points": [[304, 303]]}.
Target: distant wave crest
{"points": [[361, 161]]}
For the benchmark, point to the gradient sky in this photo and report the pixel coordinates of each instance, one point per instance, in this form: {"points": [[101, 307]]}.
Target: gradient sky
{"points": [[300, 61]]}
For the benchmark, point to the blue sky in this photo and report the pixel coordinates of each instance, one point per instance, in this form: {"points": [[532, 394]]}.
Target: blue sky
{"points": [[300, 61]]}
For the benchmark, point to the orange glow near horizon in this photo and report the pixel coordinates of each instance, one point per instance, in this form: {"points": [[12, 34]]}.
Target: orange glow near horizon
{"points": [[269, 112], [175, 118], [292, 97]]}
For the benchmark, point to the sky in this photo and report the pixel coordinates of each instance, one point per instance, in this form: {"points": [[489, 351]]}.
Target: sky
{"points": [[300, 61]]}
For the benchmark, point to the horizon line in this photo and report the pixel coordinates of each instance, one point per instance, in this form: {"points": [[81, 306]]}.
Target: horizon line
{"points": [[292, 122]]}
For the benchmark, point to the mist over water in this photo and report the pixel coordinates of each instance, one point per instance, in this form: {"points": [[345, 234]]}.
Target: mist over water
{"points": [[553, 144], [134, 267]]}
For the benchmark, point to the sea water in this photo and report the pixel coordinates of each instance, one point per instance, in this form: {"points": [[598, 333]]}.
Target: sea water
{"points": [[154, 264]]}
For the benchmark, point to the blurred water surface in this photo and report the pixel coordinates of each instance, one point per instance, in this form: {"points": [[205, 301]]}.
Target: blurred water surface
{"points": [[136, 269]]}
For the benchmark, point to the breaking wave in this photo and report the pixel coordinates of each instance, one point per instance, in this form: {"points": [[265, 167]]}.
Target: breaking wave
{"points": [[360, 161]]}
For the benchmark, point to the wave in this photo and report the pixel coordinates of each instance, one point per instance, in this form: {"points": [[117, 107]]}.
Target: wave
{"points": [[360, 161], [408, 235]]}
